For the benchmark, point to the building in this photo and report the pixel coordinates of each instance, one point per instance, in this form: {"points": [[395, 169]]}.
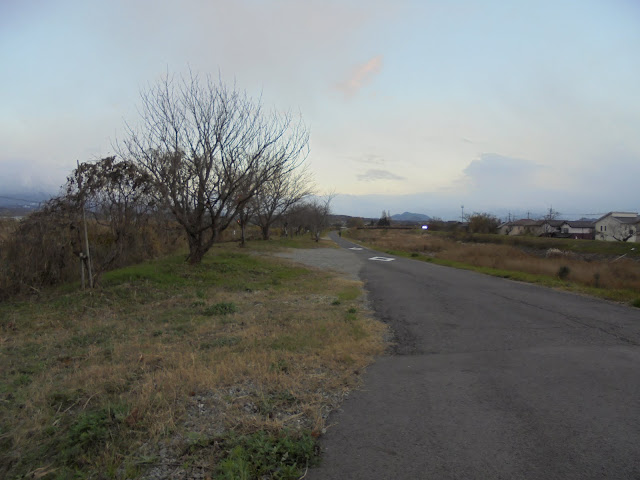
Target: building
{"points": [[524, 226], [551, 228], [618, 226], [584, 229]]}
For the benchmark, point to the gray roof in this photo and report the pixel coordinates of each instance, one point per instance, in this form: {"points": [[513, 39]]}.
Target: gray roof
{"points": [[580, 223], [554, 223], [630, 220], [526, 222]]}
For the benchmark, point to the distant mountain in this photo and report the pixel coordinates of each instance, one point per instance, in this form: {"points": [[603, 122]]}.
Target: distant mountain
{"points": [[410, 217], [23, 198]]}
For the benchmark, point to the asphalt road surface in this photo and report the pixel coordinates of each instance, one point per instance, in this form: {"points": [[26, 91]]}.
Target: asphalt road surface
{"points": [[489, 379]]}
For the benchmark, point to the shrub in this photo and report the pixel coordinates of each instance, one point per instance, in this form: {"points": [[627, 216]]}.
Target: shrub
{"points": [[563, 272]]}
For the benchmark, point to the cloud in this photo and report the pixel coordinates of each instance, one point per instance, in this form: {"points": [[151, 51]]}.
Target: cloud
{"points": [[360, 75], [370, 159], [373, 175], [493, 180], [493, 170]]}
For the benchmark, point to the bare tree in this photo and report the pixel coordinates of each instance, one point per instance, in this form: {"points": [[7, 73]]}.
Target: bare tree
{"points": [[317, 212], [385, 219], [483, 223], [548, 227], [623, 232], [276, 196], [208, 149]]}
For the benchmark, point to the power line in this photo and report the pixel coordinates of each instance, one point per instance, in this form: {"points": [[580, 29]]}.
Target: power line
{"points": [[587, 214]]}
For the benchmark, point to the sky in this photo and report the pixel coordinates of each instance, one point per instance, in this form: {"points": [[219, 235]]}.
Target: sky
{"points": [[412, 105]]}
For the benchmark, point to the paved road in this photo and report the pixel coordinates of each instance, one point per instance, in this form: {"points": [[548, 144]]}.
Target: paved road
{"points": [[491, 379]]}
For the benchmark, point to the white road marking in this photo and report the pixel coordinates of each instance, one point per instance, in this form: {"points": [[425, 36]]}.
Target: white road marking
{"points": [[355, 248], [382, 259]]}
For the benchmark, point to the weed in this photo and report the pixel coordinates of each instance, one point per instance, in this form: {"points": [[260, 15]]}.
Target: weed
{"points": [[280, 366], [636, 303], [89, 432], [265, 455], [222, 308], [220, 342], [22, 380]]}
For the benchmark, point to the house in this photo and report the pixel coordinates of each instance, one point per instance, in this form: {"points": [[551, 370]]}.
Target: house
{"points": [[551, 228], [618, 226], [584, 229], [524, 226]]}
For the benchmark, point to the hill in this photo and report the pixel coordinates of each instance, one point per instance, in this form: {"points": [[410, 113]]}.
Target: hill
{"points": [[410, 217]]}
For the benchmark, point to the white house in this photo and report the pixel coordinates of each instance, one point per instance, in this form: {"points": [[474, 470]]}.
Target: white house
{"points": [[578, 229], [618, 226]]}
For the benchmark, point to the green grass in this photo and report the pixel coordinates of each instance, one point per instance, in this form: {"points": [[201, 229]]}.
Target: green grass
{"points": [[350, 293]]}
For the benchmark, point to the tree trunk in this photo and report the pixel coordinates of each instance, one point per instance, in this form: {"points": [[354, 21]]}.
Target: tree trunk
{"points": [[243, 237], [196, 249]]}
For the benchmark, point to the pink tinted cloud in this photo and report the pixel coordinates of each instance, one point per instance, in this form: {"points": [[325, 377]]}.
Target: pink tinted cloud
{"points": [[360, 75]]}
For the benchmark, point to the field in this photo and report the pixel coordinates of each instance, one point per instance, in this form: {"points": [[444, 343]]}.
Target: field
{"points": [[224, 370], [608, 270]]}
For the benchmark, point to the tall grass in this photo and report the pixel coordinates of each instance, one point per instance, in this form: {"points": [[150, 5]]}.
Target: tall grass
{"points": [[611, 276]]}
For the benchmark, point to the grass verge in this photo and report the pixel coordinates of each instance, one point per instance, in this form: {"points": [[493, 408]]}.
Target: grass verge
{"points": [[227, 369]]}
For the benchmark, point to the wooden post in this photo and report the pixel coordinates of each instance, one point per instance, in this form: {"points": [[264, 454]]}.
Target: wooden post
{"points": [[86, 243], [86, 238], [82, 269]]}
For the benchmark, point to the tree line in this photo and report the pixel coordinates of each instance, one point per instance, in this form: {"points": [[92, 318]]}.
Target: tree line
{"points": [[204, 157]]}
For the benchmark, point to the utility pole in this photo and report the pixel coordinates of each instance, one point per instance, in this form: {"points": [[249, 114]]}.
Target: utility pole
{"points": [[462, 214]]}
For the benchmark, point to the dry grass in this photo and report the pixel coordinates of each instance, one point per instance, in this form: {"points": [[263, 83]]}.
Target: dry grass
{"points": [[617, 278], [164, 353]]}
